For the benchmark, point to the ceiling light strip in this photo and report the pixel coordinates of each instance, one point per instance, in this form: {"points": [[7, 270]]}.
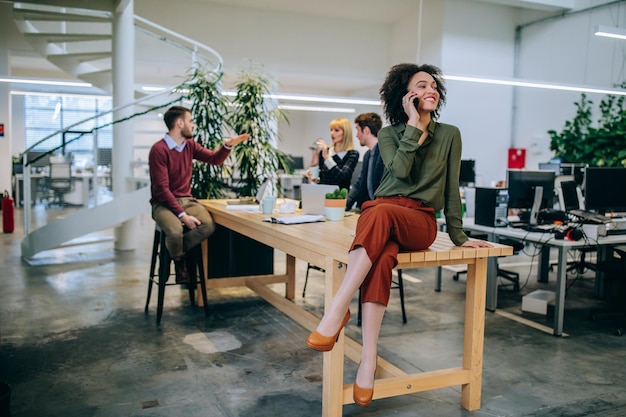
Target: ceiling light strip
{"points": [[610, 32], [535, 84], [44, 82]]}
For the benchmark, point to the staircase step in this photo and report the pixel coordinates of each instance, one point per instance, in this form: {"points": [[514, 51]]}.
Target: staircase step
{"points": [[44, 16], [67, 37], [102, 79], [80, 57]]}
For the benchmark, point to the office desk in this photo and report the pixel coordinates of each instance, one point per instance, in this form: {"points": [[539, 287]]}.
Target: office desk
{"points": [[547, 241], [326, 244]]}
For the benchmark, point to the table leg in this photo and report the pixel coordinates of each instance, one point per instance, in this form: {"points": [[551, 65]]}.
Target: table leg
{"points": [[290, 286], [332, 377], [604, 253], [544, 264], [561, 282], [474, 333], [438, 280], [492, 279]]}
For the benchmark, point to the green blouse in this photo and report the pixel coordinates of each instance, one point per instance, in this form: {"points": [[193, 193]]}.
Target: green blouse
{"points": [[429, 172]]}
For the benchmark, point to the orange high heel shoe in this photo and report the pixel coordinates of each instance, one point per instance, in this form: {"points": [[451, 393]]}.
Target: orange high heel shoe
{"points": [[362, 396], [317, 341]]}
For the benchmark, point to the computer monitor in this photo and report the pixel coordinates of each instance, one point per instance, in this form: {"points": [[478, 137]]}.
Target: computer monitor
{"points": [[551, 166], [522, 184], [40, 159], [296, 162], [575, 170], [603, 193], [569, 196], [467, 174]]}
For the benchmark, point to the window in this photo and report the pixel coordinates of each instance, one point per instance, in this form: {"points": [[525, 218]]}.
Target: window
{"points": [[46, 114]]}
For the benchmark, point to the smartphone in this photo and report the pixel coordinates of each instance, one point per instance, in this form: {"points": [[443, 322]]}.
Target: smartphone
{"points": [[416, 102]]}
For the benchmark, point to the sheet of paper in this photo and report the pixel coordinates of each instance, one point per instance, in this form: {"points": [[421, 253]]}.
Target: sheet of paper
{"points": [[304, 218]]}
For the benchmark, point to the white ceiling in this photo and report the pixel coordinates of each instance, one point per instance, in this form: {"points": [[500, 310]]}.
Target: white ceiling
{"points": [[25, 63]]}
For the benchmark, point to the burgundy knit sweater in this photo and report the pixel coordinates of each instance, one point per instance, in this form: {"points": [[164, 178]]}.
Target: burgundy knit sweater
{"points": [[170, 170]]}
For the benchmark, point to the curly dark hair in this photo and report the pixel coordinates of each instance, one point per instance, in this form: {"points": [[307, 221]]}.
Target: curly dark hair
{"points": [[395, 87]]}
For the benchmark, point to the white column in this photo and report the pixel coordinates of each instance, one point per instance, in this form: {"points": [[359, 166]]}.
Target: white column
{"points": [[123, 93], [5, 119]]}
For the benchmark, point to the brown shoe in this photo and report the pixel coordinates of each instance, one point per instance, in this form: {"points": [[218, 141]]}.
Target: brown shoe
{"points": [[319, 342], [182, 277], [362, 396]]}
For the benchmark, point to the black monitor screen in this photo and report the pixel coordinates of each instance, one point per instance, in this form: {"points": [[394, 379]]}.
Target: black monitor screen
{"points": [[603, 189], [570, 195], [467, 175], [522, 183], [296, 162], [39, 158]]}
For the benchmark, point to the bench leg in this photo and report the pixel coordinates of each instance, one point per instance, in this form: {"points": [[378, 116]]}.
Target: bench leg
{"points": [[332, 382], [474, 333]]}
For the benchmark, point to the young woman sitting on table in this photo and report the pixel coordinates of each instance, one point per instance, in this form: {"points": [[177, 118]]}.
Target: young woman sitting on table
{"points": [[336, 162], [422, 160]]}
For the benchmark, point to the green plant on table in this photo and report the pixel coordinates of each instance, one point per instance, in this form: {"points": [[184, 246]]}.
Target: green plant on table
{"points": [[337, 194]]}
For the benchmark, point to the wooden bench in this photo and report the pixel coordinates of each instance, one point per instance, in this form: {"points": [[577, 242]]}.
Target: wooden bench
{"points": [[326, 244]]}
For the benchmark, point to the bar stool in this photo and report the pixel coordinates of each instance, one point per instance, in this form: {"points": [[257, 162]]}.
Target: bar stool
{"points": [[399, 285], [195, 269]]}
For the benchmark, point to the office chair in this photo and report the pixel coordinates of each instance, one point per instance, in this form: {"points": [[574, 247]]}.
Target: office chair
{"points": [[615, 288], [59, 182], [570, 198]]}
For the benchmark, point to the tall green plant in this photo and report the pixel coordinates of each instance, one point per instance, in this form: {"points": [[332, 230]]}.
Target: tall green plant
{"points": [[602, 144], [257, 159], [208, 108]]}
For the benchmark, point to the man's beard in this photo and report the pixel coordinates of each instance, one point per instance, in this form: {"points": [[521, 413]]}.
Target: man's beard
{"points": [[187, 134]]}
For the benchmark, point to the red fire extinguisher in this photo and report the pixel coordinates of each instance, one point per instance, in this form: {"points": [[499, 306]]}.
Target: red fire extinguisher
{"points": [[8, 222]]}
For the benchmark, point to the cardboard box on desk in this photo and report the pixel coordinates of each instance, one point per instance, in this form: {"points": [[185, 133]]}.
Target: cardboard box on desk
{"points": [[537, 301]]}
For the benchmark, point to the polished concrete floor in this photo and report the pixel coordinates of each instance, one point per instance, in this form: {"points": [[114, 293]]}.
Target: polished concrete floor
{"points": [[75, 342]]}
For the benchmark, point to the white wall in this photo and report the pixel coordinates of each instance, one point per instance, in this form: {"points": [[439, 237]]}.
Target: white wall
{"points": [[284, 43], [475, 45], [565, 51]]}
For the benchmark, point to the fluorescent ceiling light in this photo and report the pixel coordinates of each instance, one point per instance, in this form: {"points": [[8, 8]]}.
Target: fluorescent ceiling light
{"points": [[313, 108], [44, 82], [47, 94], [149, 88], [610, 32], [537, 84]]}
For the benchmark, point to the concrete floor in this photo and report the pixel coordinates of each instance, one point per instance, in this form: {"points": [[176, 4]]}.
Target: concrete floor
{"points": [[75, 342]]}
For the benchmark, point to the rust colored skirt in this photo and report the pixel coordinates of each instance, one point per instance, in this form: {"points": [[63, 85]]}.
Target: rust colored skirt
{"points": [[386, 226]]}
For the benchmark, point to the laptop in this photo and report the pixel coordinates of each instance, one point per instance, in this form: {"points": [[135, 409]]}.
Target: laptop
{"points": [[313, 195], [252, 200]]}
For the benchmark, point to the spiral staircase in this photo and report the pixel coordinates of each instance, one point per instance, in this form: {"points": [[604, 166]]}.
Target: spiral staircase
{"points": [[79, 41]]}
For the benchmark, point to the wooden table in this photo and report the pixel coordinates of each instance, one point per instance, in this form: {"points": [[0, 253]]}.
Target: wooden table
{"points": [[326, 245]]}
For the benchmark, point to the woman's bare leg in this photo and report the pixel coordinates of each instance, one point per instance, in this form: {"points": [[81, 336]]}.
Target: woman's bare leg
{"points": [[370, 328], [359, 265]]}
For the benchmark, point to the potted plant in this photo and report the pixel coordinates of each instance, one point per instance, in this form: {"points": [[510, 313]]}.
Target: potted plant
{"points": [[335, 204], [597, 144], [258, 159]]}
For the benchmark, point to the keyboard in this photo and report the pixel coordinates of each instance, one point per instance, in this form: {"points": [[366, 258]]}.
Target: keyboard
{"points": [[590, 216]]}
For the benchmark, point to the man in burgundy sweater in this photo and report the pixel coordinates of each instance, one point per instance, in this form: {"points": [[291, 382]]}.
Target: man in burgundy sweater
{"points": [[173, 208]]}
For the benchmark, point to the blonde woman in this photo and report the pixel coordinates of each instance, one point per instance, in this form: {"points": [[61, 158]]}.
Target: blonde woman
{"points": [[337, 161]]}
